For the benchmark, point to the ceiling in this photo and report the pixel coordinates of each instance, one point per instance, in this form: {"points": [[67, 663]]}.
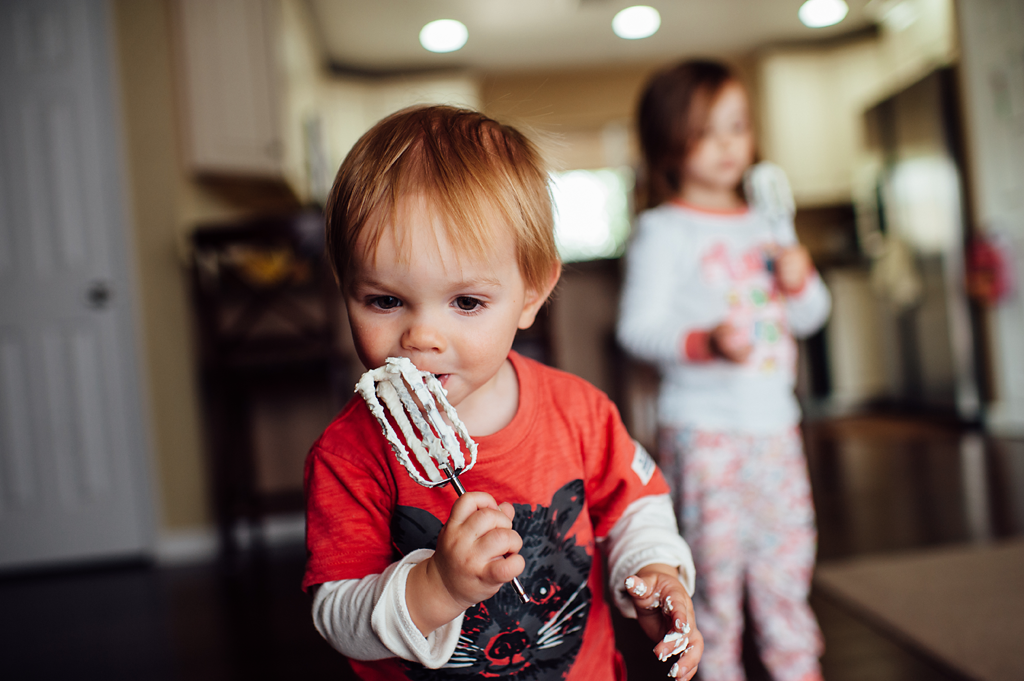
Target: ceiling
{"points": [[382, 36]]}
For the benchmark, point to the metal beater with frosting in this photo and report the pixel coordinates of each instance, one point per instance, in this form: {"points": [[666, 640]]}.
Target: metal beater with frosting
{"points": [[411, 397]]}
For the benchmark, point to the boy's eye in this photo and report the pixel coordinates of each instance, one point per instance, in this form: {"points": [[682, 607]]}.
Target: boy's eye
{"points": [[467, 304], [385, 302]]}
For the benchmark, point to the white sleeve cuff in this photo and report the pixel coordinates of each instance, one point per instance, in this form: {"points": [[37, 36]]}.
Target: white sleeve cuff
{"points": [[341, 613], [392, 622], [646, 533], [367, 619]]}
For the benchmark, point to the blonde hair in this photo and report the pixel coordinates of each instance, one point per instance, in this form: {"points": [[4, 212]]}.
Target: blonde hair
{"points": [[466, 165]]}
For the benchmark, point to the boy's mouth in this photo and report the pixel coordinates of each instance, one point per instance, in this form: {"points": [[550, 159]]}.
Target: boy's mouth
{"points": [[443, 378]]}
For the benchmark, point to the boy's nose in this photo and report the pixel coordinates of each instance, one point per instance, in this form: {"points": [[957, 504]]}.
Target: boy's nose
{"points": [[423, 336]]}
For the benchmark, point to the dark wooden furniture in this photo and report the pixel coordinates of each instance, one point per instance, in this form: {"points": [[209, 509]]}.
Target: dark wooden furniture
{"points": [[267, 310]]}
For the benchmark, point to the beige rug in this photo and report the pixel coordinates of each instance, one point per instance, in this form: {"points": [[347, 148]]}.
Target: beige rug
{"points": [[963, 606]]}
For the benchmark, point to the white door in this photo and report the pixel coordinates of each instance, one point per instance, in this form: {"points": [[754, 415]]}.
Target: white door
{"points": [[73, 456]]}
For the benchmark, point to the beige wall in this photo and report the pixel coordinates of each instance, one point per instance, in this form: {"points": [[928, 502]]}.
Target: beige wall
{"points": [[550, 100], [155, 196], [581, 118], [162, 200]]}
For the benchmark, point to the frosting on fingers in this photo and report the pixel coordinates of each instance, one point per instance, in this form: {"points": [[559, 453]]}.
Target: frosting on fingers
{"points": [[636, 586]]}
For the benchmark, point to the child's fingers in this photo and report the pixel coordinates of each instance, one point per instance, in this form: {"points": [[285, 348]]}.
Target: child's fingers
{"points": [[468, 504], [741, 352], [686, 666], [682, 640], [668, 619], [477, 550], [483, 521], [737, 351], [644, 594], [678, 618], [498, 543], [678, 612], [793, 268], [505, 568], [731, 342], [689, 647], [485, 536], [734, 338], [676, 642], [508, 509], [474, 515]]}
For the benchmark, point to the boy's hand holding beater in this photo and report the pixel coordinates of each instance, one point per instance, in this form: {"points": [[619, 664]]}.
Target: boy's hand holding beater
{"points": [[477, 552]]}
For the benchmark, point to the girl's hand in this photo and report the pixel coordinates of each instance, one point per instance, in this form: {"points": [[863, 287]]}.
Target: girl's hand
{"points": [[730, 342], [477, 552], [665, 613], [792, 267]]}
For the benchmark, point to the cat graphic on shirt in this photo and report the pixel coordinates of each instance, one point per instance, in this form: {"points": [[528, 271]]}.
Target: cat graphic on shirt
{"points": [[502, 636]]}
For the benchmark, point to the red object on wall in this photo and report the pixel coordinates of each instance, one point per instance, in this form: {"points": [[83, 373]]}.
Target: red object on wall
{"points": [[988, 271]]}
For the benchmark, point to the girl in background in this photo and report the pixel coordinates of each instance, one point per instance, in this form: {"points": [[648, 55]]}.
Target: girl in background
{"points": [[716, 289]]}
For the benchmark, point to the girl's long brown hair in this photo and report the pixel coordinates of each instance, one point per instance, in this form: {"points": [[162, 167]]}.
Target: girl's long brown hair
{"points": [[671, 117]]}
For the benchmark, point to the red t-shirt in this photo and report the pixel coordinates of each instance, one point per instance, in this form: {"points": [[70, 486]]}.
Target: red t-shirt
{"points": [[570, 469]]}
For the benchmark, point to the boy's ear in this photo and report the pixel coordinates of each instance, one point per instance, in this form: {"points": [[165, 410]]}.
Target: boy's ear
{"points": [[535, 299]]}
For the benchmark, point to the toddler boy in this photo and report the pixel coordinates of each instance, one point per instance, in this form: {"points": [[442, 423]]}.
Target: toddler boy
{"points": [[440, 231]]}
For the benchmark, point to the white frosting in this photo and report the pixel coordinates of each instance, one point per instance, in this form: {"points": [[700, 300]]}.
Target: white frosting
{"points": [[433, 441], [673, 636]]}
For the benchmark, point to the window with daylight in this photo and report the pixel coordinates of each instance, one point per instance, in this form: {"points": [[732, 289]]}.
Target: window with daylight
{"points": [[592, 212]]}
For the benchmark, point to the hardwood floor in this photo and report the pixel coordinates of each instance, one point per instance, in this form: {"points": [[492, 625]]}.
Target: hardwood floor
{"points": [[139, 622], [881, 484]]}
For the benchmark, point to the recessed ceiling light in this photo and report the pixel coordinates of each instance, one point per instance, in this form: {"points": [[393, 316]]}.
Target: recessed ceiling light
{"points": [[821, 13], [443, 35], [636, 22]]}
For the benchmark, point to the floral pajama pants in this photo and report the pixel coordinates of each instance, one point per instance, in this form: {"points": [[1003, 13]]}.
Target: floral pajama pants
{"points": [[744, 506]]}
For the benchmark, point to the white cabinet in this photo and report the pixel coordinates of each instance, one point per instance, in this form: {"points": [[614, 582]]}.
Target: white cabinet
{"points": [[810, 117], [812, 98], [257, 100], [230, 89]]}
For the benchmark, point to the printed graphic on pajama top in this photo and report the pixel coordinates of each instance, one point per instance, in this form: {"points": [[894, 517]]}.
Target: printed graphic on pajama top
{"points": [[755, 305]]}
